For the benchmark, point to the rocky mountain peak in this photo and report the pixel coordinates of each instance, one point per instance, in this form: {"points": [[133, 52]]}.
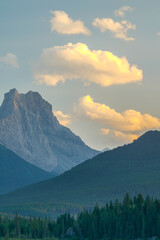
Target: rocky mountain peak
{"points": [[35, 101], [30, 102], [29, 128], [13, 92], [9, 102], [11, 96]]}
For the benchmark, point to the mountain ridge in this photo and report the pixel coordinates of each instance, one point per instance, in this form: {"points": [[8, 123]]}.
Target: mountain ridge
{"points": [[107, 176]]}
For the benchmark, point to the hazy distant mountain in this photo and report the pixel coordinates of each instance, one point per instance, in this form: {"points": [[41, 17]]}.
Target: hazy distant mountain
{"points": [[105, 149], [133, 168], [29, 128], [16, 172]]}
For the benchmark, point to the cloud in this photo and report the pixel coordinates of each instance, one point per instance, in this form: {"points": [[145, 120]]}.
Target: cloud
{"points": [[10, 59], [63, 24], [158, 33], [119, 29], [121, 11], [63, 119], [127, 124], [77, 61], [117, 137]]}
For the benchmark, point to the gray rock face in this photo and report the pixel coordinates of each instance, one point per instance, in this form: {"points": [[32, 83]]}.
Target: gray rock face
{"points": [[29, 128]]}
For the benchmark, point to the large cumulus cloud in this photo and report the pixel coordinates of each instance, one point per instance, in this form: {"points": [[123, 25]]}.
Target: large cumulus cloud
{"points": [[77, 61]]}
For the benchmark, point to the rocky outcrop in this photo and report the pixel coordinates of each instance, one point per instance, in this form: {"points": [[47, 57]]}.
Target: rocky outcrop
{"points": [[29, 128]]}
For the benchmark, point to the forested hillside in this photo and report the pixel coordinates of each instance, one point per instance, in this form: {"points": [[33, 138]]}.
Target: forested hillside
{"points": [[132, 168]]}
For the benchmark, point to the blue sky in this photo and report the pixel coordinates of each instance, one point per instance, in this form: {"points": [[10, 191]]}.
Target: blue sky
{"points": [[25, 31]]}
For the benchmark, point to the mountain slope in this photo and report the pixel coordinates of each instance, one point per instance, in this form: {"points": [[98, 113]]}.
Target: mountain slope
{"points": [[29, 128], [16, 172], [132, 168]]}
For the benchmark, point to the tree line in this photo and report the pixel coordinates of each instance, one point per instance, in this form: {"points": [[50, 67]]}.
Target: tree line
{"points": [[130, 219]]}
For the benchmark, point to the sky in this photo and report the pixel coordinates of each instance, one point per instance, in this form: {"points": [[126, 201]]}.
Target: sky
{"points": [[96, 62]]}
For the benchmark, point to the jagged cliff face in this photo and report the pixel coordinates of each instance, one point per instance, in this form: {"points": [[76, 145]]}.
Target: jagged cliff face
{"points": [[29, 128]]}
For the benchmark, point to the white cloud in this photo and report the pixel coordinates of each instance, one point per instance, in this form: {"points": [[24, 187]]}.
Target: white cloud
{"points": [[10, 59], [63, 119], [121, 11], [126, 125], [63, 24], [119, 29], [77, 61]]}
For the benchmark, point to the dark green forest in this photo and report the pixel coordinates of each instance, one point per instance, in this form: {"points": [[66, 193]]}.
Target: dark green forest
{"points": [[130, 219]]}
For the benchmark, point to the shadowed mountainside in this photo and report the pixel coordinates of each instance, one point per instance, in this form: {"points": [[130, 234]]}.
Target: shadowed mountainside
{"points": [[132, 168], [15, 172]]}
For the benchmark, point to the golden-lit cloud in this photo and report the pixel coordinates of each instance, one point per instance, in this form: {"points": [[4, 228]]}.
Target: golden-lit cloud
{"points": [[121, 11], [128, 122], [77, 61], [63, 24], [119, 29], [63, 119], [10, 59], [118, 137], [158, 33]]}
